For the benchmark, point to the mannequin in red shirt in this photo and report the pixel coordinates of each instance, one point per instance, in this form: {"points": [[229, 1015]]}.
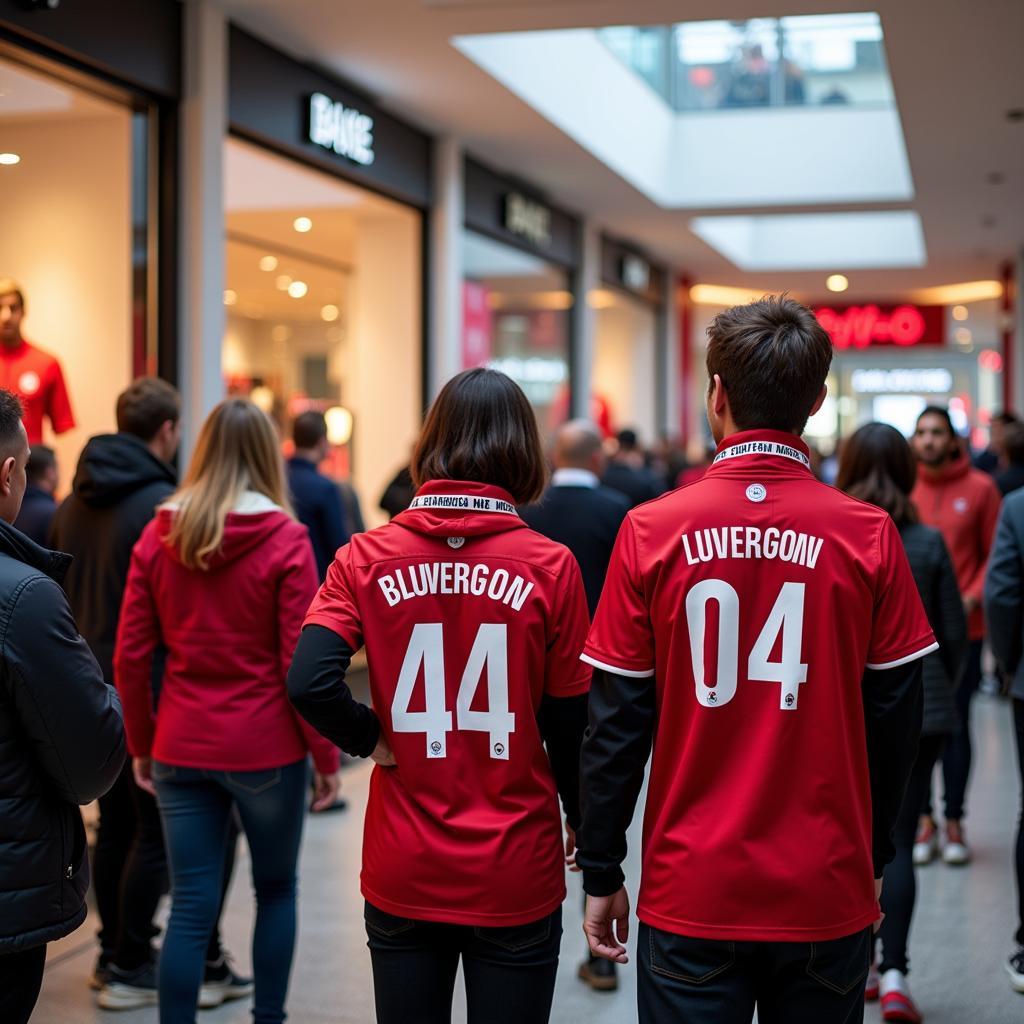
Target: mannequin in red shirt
{"points": [[33, 375]]}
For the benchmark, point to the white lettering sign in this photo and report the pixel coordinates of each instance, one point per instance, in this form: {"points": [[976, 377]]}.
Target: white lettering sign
{"points": [[528, 219], [932, 381], [636, 273], [344, 130]]}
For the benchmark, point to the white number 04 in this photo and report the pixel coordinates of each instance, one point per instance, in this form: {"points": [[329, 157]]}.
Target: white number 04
{"points": [[787, 617], [489, 653]]}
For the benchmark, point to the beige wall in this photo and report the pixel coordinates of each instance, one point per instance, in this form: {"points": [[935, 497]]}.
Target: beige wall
{"points": [[625, 365], [66, 236]]}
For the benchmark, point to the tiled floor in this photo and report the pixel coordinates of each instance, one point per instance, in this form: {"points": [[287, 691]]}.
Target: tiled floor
{"points": [[961, 936]]}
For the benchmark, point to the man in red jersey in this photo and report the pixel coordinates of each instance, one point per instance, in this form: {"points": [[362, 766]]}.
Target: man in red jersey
{"points": [[32, 374], [766, 629], [963, 504]]}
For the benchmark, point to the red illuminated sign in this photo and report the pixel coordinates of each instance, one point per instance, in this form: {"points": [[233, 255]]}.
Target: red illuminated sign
{"points": [[855, 327]]}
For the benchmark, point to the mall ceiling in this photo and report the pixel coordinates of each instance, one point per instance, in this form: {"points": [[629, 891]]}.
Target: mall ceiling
{"points": [[955, 66]]}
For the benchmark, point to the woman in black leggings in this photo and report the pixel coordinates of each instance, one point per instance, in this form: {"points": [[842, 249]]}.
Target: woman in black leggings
{"points": [[878, 466]]}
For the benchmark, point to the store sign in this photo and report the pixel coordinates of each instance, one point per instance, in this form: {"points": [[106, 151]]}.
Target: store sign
{"points": [[857, 327], [528, 219], [936, 381], [343, 130], [635, 273]]}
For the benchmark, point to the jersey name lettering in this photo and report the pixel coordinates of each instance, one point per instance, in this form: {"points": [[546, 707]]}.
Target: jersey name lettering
{"points": [[454, 578], [752, 542]]}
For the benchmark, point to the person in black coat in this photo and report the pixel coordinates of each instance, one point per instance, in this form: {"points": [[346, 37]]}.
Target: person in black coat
{"points": [[578, 511], [1004, 613], [316, 497], [62, 743], [878, 466], [39, 505], [1011, 477], [627, 473], [119, 482]]}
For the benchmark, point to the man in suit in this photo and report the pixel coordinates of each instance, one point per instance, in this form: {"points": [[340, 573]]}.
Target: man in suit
{"points": [[627, 472], [577, 511]]}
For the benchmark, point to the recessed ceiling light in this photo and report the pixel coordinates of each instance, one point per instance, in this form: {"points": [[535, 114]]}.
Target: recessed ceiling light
{"points": [[329, 313], [268, 263], [9, 159], [282, 281], [963, 336], [297, 289], [230, 297], [302, 224], [836, 283], [959, 312]]}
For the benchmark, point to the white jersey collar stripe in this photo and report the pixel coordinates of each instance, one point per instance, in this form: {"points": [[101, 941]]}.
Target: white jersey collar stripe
{"points": [[773, 448], [463, 503]]}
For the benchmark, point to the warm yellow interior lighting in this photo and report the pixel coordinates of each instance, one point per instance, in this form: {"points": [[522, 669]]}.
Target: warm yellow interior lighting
{"points": [[723, 295], [556, 300], [600, 298], [339, 425], [837, 282], [950, 294]]}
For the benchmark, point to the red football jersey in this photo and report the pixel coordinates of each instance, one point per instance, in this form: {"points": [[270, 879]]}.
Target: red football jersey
{"points": [[469, 618], [36, 378], [756, 598]]}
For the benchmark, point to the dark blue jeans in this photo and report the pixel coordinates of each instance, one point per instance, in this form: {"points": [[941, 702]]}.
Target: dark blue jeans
{"points": [[196, 808], [708, 981]]}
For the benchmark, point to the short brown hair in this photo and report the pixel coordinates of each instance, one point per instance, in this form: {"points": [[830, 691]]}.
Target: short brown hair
{"points": [[309, 429], [8, 286], [878, 466], [481, 427], [145, 406], [1013, 442], [772, 356]]}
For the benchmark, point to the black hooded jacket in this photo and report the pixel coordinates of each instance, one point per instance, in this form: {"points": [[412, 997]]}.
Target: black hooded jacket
{"points": [[118, 485], [61, 744]]}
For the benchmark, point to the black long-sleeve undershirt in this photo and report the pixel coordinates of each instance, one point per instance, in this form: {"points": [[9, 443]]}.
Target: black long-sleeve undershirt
{"points": [[563, 721], [318, 691], [618, 743]]}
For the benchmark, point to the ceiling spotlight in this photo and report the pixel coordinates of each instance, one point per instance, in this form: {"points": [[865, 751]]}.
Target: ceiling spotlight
{"points": [[9, 159], [836, 283], [963, 336], [329, 313], [230, 297], [302, 224], [268, 263], [297, 289], [959, 312], [282, 282]]}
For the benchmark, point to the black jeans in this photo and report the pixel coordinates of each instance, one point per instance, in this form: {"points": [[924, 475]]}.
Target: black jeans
{"points": [[709, 981], [1018, 721], [900, 890], [130, 874], [956, 758], [509, 972], [21, 977]]}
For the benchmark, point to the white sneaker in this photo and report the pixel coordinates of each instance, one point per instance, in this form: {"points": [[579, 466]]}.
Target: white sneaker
{"points": [[926, 843], [955, 851], [1015, 968]]}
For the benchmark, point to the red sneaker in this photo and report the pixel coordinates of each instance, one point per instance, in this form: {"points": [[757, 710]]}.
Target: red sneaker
{"points": [[871, 988], [896, 1001]]}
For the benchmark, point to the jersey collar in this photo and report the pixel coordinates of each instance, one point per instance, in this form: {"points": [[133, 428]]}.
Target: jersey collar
{"points": [[764, 448], [463, 498]]}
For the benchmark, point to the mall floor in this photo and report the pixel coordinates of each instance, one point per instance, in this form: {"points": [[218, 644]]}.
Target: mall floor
{"points": [[960, 941]]}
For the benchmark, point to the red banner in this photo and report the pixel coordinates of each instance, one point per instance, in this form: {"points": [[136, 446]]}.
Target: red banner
{"points": [[870, 326]]}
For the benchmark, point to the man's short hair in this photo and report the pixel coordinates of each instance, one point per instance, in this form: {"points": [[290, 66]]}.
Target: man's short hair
{"points": [[309, 429], [1013, 442], [1006, 418], [10, 424], [772, 357], [943, 414], [145, 406], [627, 440], [8, 286], [577, 442], [41, 459]]}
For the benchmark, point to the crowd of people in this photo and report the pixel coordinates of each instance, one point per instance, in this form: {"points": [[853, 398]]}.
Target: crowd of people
{"points": [[788, 660]]}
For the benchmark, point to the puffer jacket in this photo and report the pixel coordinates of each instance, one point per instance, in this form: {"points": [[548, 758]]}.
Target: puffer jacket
{"points": [[61, 744], [936, 581]]}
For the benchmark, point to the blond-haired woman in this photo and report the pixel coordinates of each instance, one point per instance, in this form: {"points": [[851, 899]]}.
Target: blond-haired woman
{"points": [[221, 579]]}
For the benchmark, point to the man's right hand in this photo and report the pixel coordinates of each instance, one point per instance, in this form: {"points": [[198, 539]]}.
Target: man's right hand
{"points": [[602, 913]]}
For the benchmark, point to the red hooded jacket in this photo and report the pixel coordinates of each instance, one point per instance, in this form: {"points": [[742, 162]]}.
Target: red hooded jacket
{"points": [[962, 503], [230, 632]]}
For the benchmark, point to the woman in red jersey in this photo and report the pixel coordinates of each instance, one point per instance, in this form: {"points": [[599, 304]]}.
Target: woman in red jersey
{"points": [[473, 625], [221, 579]]}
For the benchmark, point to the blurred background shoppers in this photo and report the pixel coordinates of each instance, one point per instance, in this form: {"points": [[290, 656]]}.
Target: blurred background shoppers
{"points": [[878, 466], [1004, 607], [39, 505], [963, 504], [223, 577], [120, 480], [1010, 476], [61, 743], [462, 846], [627, 471]]}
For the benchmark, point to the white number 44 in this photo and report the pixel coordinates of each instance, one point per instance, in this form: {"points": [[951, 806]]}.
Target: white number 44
{"points": [[489, 654], [786, 617]]}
